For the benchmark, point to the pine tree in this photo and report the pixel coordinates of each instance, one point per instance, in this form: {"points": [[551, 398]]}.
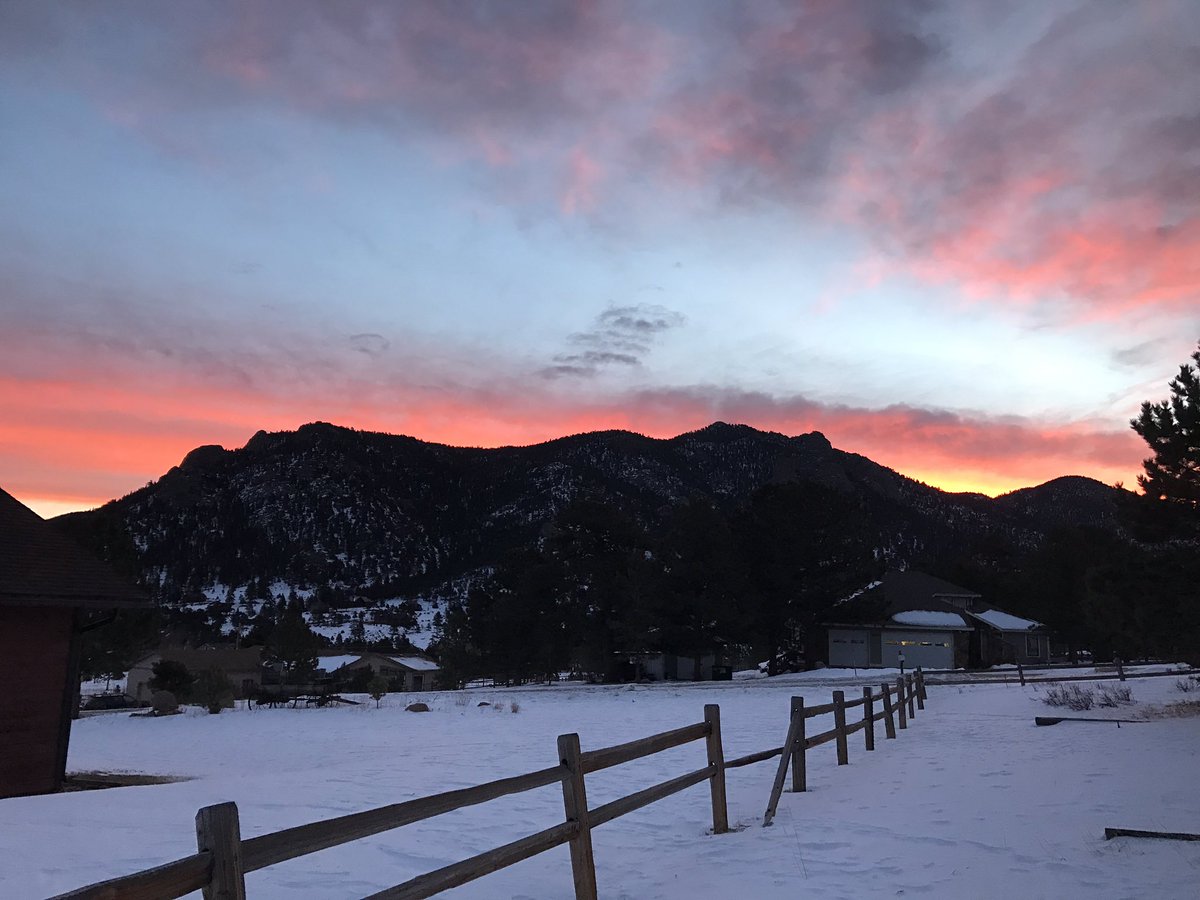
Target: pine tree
{"points": [[1172, 429], [377, 687], [803, 547], [294, 643], [694, 607]]}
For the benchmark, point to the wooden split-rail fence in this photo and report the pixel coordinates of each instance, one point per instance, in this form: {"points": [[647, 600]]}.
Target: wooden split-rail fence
{"points": [[223, 858], [898, 706], [1116, 669]]}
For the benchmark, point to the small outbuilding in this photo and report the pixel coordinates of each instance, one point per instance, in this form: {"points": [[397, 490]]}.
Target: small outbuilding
{"points": [[652, 665], [48, 585]]}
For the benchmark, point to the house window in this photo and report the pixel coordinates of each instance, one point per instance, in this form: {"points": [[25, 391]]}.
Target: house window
{"points": [[1032, 645]]}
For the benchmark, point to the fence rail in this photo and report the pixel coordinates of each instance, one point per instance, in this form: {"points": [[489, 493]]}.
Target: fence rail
{"points": [[223, 858], [1006, 677]]}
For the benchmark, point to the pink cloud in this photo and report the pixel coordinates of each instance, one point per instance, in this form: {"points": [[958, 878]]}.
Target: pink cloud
{"points": [[583, 179], [1057, 168]]}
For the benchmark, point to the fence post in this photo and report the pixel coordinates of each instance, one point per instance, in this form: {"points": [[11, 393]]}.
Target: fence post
{"points": [[839, 724], [921, 695], [583, 864], [795, 723], [910, 684], [900, 702], [1021, 674], [716, 761], [1120, 669], [219, 833], [889, 719], [869, 718], [799, 770]]}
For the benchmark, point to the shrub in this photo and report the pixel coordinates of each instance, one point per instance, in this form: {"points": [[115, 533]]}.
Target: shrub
{"points": [[1187, 685], [514, 707], [1071, 696], [377, 687], [213, 690], [1112, 695], [172, 676]]}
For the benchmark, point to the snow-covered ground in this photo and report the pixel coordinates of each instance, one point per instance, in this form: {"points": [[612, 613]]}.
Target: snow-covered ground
{"points": [[972, 801]]}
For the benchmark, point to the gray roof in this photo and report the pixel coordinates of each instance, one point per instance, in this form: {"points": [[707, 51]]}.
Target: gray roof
{"points": [[198, 659], [916, 590], [39, 566], [906, 591]]}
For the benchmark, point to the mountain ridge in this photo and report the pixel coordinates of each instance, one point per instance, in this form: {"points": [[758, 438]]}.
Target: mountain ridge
{"points": [[363, 509]]}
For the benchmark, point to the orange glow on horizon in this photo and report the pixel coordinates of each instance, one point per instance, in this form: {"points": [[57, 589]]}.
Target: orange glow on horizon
{"points": [[73, 442], [123, 460]]}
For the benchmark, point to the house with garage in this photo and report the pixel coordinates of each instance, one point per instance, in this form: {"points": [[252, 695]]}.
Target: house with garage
{"points": [[51, 591], [912, 619], [243, 666]]}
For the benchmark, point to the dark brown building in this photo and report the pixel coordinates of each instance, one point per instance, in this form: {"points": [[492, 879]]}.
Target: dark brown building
{"points": [[48, 584]]}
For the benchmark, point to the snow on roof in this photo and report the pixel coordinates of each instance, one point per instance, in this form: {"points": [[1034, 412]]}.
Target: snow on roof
{"points": [[1006, 622], [929, 617], [329, 663], [416, 662], [858, 593]]}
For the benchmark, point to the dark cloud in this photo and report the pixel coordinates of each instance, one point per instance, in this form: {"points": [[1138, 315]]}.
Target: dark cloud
{"points": [[370, 343], [620, 336], [1140, 354]]}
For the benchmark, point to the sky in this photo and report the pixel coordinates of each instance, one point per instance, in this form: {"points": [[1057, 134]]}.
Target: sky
{"points": [[961, 238]]}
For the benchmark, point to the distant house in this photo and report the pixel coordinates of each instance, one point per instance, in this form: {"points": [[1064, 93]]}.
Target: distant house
{"points": [[48, 587], [918, 620], [656, 666], [406, 673], [242, 666]]}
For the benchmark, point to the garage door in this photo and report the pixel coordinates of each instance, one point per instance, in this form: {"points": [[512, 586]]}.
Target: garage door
{"points": [[847, 649], [928, 649]]}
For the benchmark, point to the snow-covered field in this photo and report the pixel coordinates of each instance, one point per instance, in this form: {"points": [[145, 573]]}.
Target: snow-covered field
{"points": [[972, 801]]}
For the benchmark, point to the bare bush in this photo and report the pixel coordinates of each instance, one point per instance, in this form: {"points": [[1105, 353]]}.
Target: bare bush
{"points": [[1187, 685], [514, 707], [1113, 695], [1183, 709], [1071, 696]]}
